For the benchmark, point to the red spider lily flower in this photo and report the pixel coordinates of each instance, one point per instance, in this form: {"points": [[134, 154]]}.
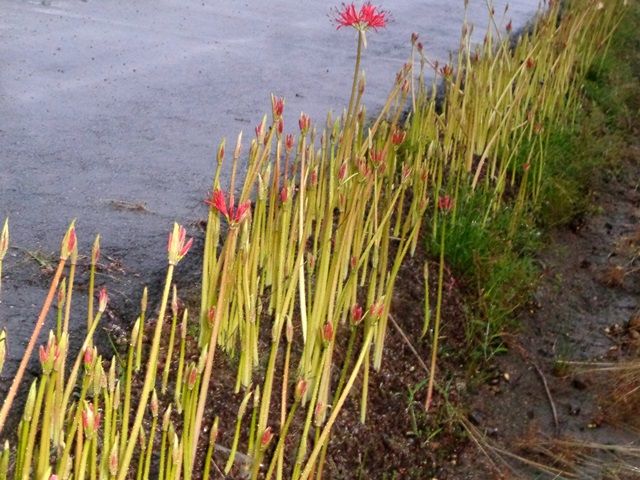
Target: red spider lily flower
{"points": [[304, 123], [288, 142], [445, 203], [242, 212], [277, 106], [177, 246], [103, 298], [378, 157], [234, 216], [369, 16], [218, 202], [446, 71], [266, 437]]}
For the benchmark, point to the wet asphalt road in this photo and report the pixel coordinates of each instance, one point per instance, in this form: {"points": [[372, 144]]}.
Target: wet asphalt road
{"points": [[112, 101]]}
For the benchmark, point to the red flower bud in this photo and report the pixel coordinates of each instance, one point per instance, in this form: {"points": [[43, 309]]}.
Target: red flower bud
{"points": [[356, 314], [327, 332], [301, 389], [342, 171], [266, 437], [103, 298], [445, 203], [288, 142], [284, 194], [304, 123], [398, 136], [211, 316], [277, 106]]}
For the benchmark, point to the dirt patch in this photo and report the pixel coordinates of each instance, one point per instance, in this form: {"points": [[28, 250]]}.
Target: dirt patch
{"points": [[584, 310]]}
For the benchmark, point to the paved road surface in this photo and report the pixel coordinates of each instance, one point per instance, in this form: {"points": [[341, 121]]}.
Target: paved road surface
{"points": [[111, 101]]}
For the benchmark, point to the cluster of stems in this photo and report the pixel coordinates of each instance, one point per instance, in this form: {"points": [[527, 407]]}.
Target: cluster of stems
{"points": [[302, 249]]}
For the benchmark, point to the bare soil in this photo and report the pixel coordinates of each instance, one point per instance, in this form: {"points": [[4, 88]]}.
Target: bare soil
{"points": [[586, 309]]}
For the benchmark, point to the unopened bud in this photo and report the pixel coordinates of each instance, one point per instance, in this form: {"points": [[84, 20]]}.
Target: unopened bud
{"points": [[135, 331], [342, 171], [116, 395], [62, 293], [111, 379], [304, 123], [236, 151], [31, 401], [289, 330], [4, 239], [103, 298], [183, 325], [113, 457], [277, 107], [143, 300], [153, 405], [192, 376], [220, 155], [69, 242], [174, 301], [3, 348], [202, 360], [166, 418], [356, 314], [288, 142], [95, 251], [176, 449], [213, 436], [90, 420], [87, 359], [266, 437], [327, 332], [320, 413], [301, 389]]}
